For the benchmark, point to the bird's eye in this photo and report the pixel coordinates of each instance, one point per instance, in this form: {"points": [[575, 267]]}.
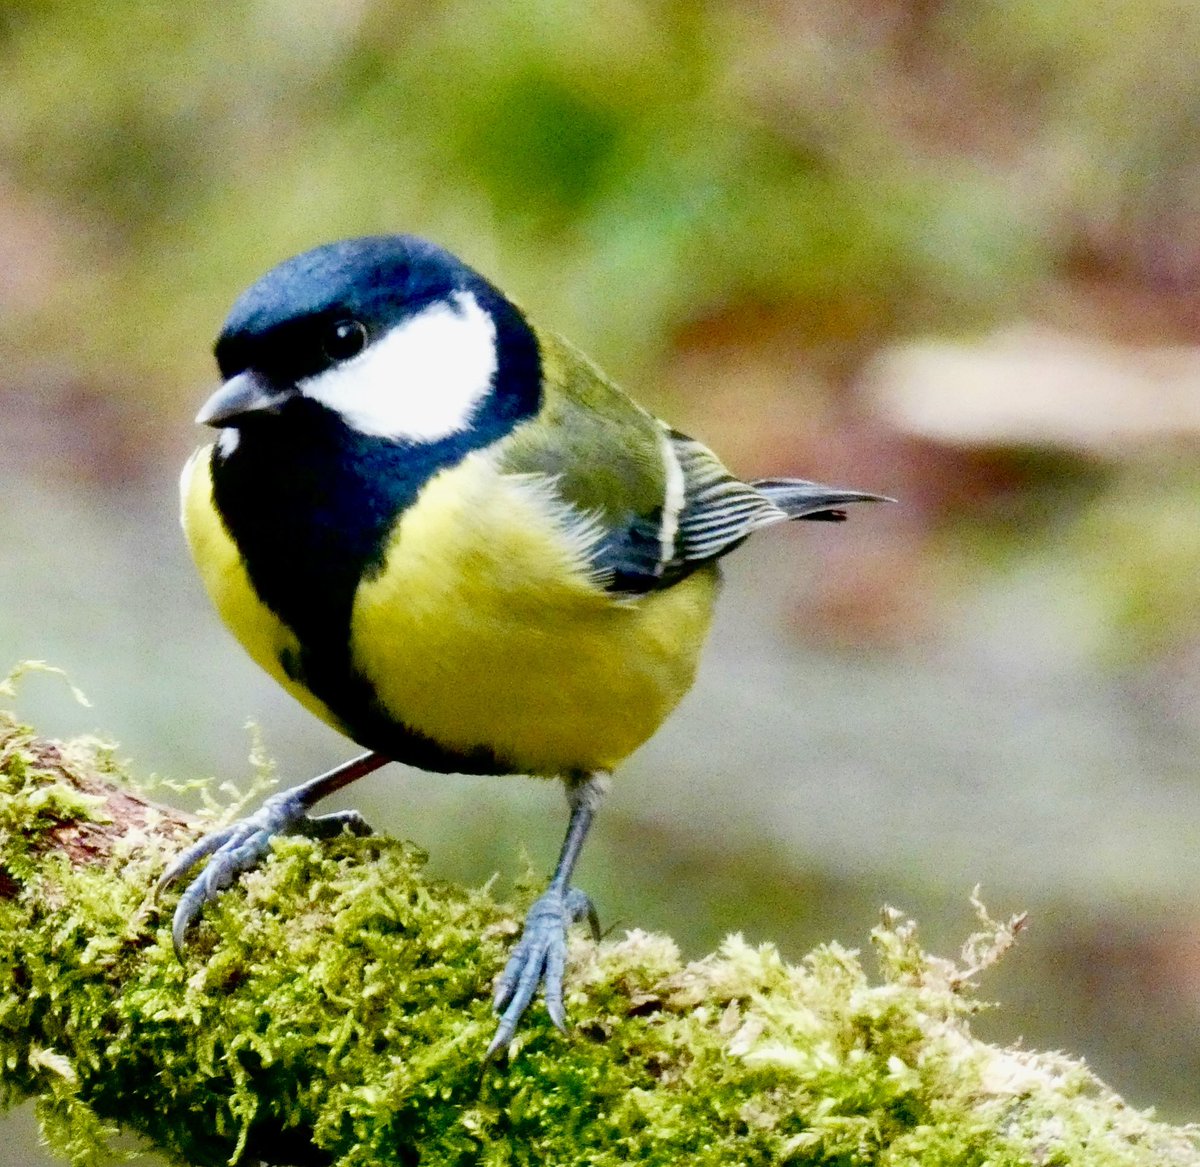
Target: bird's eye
{"points": [[343, 340]]}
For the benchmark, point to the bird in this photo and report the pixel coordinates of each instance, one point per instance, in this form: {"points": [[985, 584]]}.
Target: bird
{"points": [[450, 536]]}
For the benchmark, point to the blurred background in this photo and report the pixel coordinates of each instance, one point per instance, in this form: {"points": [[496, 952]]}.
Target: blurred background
{"points": [[938, 249]]}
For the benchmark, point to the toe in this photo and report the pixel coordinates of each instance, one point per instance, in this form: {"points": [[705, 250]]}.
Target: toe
{"points": [[552, 987], [190, 856]]}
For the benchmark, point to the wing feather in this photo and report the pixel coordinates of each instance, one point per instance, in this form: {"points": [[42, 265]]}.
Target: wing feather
{"points": [[720, 510], [718, 513]]}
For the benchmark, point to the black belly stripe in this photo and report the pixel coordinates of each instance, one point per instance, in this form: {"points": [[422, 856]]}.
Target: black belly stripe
{"points": [[310, 504]]}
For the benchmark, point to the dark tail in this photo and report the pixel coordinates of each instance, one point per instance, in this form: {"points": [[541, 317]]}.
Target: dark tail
{"points": [[810, 500]]}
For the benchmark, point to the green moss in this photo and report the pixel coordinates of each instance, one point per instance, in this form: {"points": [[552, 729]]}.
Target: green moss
{"points": [[338, 1000]]}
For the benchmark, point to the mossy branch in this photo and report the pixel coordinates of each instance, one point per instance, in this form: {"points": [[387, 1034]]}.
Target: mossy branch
{"points": [[334, 1009]]}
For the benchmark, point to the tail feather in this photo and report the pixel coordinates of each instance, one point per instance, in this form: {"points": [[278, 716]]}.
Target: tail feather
{"points": [[800, 499]]}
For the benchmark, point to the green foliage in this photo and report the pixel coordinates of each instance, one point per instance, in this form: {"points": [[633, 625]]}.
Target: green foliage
{"points": [[338, 999], [626, 168]]}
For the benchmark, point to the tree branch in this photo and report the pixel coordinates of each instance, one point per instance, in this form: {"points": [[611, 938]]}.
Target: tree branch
{"points": [[335, 1005]]}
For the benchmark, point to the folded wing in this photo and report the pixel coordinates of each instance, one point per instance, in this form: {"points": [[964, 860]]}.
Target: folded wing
{"points": [[706, 512]]}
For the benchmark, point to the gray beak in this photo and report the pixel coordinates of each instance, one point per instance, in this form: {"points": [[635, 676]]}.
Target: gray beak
{"points": [[243, 393]]}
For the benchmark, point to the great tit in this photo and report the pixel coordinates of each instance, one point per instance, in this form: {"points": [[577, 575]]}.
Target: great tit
{"points": [[450, 536]]}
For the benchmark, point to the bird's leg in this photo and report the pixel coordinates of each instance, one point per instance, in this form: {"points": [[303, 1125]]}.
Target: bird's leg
{"points": [[541, 954], [242, 845]]}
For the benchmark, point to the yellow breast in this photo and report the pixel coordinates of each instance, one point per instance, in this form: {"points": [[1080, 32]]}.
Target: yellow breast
{"points": [[486, 627]]}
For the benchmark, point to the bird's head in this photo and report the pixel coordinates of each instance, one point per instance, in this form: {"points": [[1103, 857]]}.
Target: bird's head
{"points": [[393, 335]]}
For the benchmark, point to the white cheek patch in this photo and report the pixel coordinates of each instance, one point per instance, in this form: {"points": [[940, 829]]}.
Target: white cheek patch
{"points": [[419, 382]]}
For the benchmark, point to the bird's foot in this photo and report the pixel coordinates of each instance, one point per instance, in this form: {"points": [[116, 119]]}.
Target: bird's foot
{"points": [[540, 958], [240, 847]]}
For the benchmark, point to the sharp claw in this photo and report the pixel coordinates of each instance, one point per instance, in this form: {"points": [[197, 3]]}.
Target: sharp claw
{"points": [[593, 919], [186, 912], [194, 897], [503, 1036]]}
